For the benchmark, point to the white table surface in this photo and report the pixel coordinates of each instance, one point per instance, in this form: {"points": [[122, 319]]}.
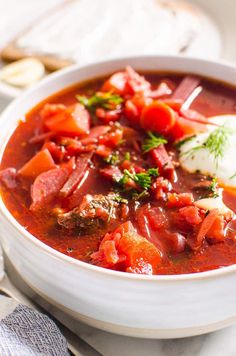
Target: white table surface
{"points": [[221, 343]]}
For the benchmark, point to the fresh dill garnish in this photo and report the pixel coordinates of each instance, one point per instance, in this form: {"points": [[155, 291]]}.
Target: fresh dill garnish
{"points": [[139, 196], [119, 199], [215, 143], [105, 100], [153, 172], [112, 159], [213, 188], [180, 143], [153, 141], [127, 156], [143, 179]]}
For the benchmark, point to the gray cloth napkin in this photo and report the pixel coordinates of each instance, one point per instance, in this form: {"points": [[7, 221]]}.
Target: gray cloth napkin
{"points": [[26, 332]]}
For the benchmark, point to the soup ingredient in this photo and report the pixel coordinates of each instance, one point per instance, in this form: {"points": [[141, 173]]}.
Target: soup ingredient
{"points": [[76, 176], [206, 226], [142, 179], [125, 247], [186, 87], [163, 161], [47, 186], [103, 100], [93, 212], [212, 153], [158, 117], [8, 177], [209, 204], [153, 141], [40, 163], [73, 120]]}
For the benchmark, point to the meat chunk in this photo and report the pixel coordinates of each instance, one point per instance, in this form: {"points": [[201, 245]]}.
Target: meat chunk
{"points": [[8, 178], [94, 211]]}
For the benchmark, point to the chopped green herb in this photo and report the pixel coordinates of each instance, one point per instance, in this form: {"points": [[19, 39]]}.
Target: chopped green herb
{"points": [[106, 101], [217, 141], [127, 156], [180, 143], [143, 179], [213, 188], [139, 196], [119, 199], [112, 159], [153, 141], [153, 172]]}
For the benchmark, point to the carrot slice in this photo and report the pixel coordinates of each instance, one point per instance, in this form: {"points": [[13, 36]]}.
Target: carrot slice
{"points": [[40, 163], [158, 117]]}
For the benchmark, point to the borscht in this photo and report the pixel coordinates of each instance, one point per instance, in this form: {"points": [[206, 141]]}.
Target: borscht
{"points": [[132, 172]]}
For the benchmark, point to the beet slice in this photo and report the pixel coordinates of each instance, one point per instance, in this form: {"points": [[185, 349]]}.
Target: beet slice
{"points": [[47, 186]]}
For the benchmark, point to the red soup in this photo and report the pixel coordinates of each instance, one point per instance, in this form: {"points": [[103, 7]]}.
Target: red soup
{"points": [[111, 172]]}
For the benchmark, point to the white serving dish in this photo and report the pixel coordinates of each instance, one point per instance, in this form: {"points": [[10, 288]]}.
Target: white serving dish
{"points": [[135, 305]]}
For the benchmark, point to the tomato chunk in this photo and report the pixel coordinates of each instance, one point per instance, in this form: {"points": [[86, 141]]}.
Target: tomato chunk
{"points": [[179, 200], [191, 215], [127, 82], [116, 83], [38, 164], [163, 161], [124, 244], [134, 107]]}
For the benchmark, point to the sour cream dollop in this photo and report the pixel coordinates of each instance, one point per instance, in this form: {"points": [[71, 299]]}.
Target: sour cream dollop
{"points": [[205, 162]]}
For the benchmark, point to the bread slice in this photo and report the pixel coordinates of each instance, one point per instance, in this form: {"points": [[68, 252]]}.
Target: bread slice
{"points": [[81, 31]]}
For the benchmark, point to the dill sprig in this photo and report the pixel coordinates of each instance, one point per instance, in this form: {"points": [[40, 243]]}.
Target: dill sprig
{"points": [[215, 143], [113, 158], [143, 179], [119, 199], [213, 188], [127, 156], [153, 141], [104, 100]]}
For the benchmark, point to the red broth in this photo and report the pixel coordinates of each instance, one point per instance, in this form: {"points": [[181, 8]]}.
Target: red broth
{"points": [[177, 254]]}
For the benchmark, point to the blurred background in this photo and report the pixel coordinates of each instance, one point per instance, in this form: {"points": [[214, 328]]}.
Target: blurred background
{"points": [[62, 32]]}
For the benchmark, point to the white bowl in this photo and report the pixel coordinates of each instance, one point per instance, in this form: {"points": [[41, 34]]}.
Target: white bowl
{"points": [[128, 304]]}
